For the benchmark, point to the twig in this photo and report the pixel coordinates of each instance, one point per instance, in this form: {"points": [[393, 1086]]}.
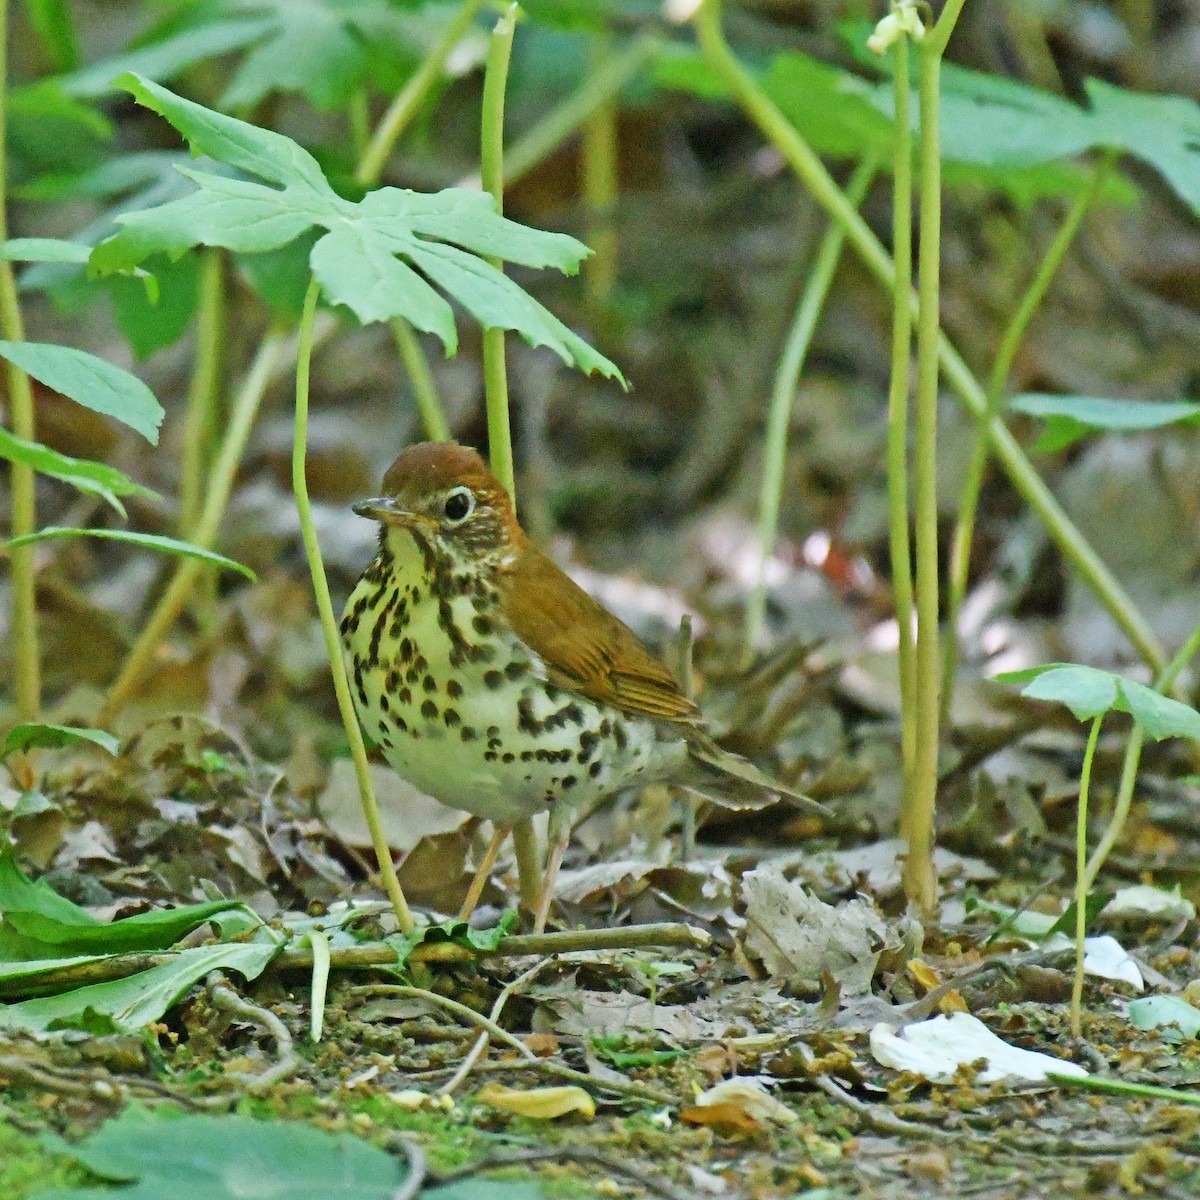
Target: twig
{"points": [[224, 997], [417, 1171], [467, 1015], [581, 1154], [882, 1120], [481, 1043], [377, 954]]}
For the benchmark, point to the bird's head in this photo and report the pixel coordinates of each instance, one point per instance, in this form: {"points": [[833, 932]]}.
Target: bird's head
{"points": [[449, 500]]}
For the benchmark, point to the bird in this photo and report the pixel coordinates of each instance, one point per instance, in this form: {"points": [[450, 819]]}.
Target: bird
{"points": [[494, 683]]}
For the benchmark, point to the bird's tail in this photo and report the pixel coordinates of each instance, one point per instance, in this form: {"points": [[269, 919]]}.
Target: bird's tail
{"points": [[731, 781]]}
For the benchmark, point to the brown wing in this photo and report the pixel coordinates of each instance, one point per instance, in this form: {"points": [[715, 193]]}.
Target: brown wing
{"points": [[585, 648]]}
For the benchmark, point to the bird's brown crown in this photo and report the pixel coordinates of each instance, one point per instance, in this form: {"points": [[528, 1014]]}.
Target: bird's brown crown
{"points": [[429, 467], [453, 485]]}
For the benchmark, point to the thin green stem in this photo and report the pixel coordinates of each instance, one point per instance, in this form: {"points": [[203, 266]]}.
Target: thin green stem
{"points": [[425, 393], [410, 98], [1081, 874], [897, 437], [920, 876], [1133, 753], [936, 39], [491, 166], [603, 85], [495, 372], [201, 418], [358, 115], [329, 627], [779, 412], [532, 148], [1010, 341], [599, 168], [217, 490], [27, 671], [800, 157]]}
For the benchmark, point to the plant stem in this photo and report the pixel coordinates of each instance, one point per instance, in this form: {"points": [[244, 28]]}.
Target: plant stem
{"points": [[358, 114], [495, 373], [900, 550], [201, 418], [1125, 1087], [217, 490], [299, 957], [425, 393], [312, 551], [800, 157], [920, 877], [1010, 341], [491, 169], [532, 148], [779, 412], [406, 104], [599, 166], [1081, 875], [1133, 754], [602, 86], [24, 641]]}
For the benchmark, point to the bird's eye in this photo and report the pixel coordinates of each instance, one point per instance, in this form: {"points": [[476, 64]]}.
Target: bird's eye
{"points": [[458, 505]]}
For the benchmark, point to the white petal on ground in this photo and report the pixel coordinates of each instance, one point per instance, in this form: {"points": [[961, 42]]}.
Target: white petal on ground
{"points": [[1106, 958], [936, 1048], [1145, 901]]}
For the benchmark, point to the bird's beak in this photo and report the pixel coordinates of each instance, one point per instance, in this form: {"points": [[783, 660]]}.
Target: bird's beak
{"points": [[385, 510]]}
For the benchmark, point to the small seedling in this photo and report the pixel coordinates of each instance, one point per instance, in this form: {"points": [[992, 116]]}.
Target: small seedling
{"points": [[1091, 694]]}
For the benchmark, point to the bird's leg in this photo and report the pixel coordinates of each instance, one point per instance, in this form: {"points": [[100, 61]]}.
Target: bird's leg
{"points": [[483, 872], [557, 835], [553, 862], [529, 864]]}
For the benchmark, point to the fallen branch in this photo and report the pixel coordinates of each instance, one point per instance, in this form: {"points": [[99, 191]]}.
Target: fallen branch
{"points": [[378, 954]]}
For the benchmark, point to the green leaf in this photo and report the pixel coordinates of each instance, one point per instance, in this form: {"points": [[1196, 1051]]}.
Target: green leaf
{"points": [[1069, 418], [152, 322], [44, 250], [54, 250], [150, 541], [482, 941], [356, 268], [1086, 691], [201, 1157], [51, 134], [136, 1001], [1163, 131], [485, 1189], [1165, 1012], [95, 478], [38, 913], [256, 151], [53, 737], [52, 21], [358, 260], [89, 381], [1159, 715], [166, 58], [836, 112]]}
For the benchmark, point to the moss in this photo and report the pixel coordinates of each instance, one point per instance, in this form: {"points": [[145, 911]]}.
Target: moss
{"points": [[27, 1167]]}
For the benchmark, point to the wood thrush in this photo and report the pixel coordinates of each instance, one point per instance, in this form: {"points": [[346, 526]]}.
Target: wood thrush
{"points": [[495, 683]]}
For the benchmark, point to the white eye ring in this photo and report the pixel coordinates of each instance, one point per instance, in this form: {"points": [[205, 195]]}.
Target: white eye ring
{"points": [[458, 505]]}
